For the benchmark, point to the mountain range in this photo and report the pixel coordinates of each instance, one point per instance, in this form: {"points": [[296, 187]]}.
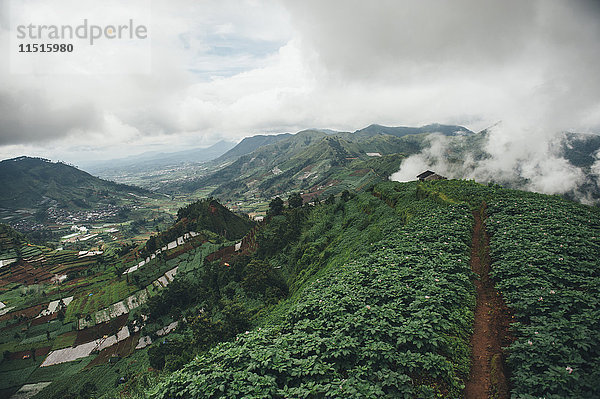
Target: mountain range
{"points": [[317, 162], [314, 161], [156, 160]]}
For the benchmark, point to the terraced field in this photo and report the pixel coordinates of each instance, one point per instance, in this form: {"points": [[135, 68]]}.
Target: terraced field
{"points": [[87, 324]]}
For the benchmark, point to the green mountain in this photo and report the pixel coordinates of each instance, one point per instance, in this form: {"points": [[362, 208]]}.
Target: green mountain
{"points": [[33, 182], [249, 144], [400, 131], [317, 162]]}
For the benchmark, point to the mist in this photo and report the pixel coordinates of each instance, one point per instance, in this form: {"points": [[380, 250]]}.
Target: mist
{"points": [[528, 159]]}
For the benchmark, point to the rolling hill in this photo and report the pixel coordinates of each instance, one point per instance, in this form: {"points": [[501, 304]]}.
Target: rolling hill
{"points": [[249, 144], [33, 182]]}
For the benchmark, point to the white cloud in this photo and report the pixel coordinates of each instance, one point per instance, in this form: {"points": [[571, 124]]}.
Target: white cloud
{"points": [[227, 69]]}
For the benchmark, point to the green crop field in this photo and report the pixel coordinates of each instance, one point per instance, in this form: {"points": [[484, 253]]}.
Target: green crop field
{"points": [[367, 294]]}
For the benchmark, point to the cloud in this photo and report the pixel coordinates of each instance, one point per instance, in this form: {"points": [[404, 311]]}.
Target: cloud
{"points": [[530, 161], [196, 49], [41, 118], [233, 68], [484, 58]]}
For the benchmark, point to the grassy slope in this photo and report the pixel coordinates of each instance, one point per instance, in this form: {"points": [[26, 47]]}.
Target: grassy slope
{"points": [[381, 308], [360, 322]]}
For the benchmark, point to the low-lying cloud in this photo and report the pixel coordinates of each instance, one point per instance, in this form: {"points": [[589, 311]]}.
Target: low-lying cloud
{"points": [[234, 68], [532, 161]]}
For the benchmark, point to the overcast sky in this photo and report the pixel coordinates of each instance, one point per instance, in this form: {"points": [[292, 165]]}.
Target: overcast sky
{"points": [[231, 68]]}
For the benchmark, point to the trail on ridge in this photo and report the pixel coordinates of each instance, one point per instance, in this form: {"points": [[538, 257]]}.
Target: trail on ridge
{"points": [[488, 377]]}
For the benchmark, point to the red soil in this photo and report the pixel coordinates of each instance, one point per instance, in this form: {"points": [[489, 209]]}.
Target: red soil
{"points": [[488, 378]]}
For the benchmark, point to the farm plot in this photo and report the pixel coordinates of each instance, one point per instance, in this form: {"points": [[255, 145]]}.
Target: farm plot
{"points": [[86, 349], [58, 371], [122, 349], [128, 304], [70, 354], [64, 340], [28, 391], [54, 306], [28, 354], [25, 273], [100, 330], [392, 319], [545, 253], [17, 377], [115, 310]]}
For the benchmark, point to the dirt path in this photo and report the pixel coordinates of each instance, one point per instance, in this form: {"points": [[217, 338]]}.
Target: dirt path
{"points": [[488, 378]]}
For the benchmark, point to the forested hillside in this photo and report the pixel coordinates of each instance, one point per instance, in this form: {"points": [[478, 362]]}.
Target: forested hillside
{"points": [[382, 301], [31, 182], [367, 294]]}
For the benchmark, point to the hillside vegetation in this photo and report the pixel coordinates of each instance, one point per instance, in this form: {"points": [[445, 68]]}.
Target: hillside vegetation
{"points": [[313, 161], [367, 294], [382, 308], [30, 182], [382, 301]]}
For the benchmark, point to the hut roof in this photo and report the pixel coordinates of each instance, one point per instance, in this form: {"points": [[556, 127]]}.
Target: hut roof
{"points": [[425, 174]]}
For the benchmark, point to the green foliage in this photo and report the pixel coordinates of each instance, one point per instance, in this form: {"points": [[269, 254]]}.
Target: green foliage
{"points": [[209, 214], [385, 319], [10, 239], [281, 231], [275, 207], [261, 279], [170, 353], [545, 253], [295, 200], [345, 196], [385, 165]]}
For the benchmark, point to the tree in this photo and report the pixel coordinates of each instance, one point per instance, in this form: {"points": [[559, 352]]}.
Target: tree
{"points": [[151, 245], [257, 276], [205, 331], [345, 195], [275, 207], [235, 319], [261, 279], [295, 200], [330, 200]]}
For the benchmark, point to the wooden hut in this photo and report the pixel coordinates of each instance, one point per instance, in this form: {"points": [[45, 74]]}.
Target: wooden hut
{"points": [[430, 175]]}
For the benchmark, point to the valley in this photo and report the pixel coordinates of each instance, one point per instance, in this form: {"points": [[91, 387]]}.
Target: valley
{"points": [[300, 200], [290, 266]]}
